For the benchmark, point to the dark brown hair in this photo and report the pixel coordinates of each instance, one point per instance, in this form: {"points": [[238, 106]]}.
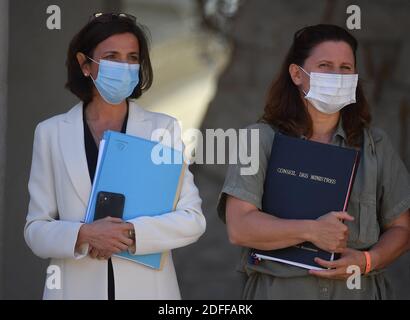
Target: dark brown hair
{"points": [[285, 108], [87, 39]]}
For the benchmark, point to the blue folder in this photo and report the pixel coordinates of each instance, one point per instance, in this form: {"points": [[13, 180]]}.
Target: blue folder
{"points": [[125, 166]]}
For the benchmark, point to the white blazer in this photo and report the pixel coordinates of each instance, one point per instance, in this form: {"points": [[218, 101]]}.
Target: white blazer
{"points": [[59, 188]]}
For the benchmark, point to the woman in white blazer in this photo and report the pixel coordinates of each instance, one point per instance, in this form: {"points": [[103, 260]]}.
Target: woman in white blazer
{"points": [[108, 64]]}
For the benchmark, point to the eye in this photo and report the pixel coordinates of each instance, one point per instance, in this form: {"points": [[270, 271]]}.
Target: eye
{"points": [[134, 58], [109, 57], [324, 65], [346, 68]]}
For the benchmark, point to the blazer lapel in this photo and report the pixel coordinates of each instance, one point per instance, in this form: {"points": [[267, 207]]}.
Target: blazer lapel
{"points": [[71, 137]]}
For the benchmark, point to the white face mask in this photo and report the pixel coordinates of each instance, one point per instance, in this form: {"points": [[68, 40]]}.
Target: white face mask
{"points": [[330, 92]]}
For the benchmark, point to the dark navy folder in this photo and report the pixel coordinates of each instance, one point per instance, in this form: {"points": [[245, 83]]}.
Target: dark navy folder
{"points": [[305, 180]]}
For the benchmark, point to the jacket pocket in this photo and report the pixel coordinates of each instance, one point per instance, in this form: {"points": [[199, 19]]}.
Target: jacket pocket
{"points": [[364, 231]]}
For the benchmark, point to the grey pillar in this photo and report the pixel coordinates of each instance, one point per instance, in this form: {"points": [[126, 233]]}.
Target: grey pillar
{"points": [[4, 36]]}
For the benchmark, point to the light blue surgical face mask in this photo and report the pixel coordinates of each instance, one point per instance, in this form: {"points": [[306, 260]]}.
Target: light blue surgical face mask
{"points": [[116, 80]]}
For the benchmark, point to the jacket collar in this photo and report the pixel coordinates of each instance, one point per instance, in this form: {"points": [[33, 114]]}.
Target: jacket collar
{"points": [[340, 131]]}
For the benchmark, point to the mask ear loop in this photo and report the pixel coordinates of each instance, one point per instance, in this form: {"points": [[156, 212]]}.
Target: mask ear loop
{"points": [[90, 72], [92, 60], [300, 69], [92, 78], [307, 75]]}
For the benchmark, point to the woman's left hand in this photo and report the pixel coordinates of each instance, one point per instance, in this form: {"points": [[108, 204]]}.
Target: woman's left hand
{"points": [[104, 254], [338, 268]]}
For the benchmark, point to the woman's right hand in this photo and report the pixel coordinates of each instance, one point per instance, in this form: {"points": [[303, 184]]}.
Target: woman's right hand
{"points": [[108, 235], [330, 233]]}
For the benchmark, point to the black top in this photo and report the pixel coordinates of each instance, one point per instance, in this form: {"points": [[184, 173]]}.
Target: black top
{"points": [[91, 151]]}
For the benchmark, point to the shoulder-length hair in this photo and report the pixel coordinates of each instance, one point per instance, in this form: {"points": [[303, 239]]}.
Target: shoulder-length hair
{"points": [[87, 39], [285, 108]]}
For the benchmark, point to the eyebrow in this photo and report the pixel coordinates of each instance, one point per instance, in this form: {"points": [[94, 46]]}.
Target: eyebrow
{"points": [[327, 61], [116, 52], [330, 62], [109, 52]]}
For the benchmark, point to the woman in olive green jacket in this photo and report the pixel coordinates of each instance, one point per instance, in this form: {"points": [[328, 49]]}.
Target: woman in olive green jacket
{"points": [[302, 102]]}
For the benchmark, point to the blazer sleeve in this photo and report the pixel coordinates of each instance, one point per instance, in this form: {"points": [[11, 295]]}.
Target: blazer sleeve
{"points": [[174, 229], [47, 236]]}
